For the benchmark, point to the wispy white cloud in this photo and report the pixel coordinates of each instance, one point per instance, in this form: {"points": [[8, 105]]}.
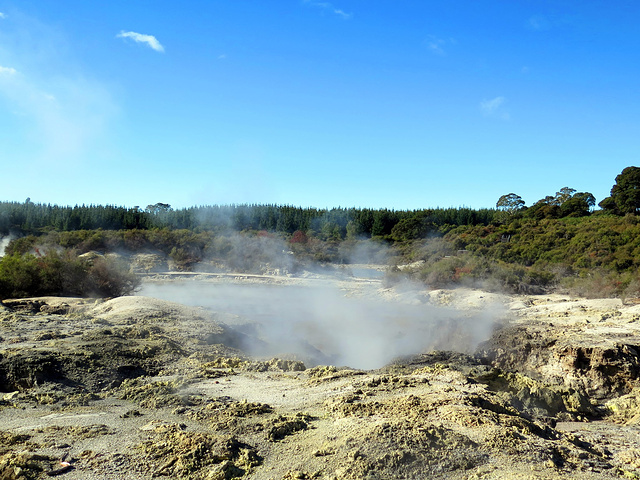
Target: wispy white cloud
{"points": [[67, 117], [539, 22], [58, 114], [437, 45], [543, 23], [328, 7], [150, 40], [342, 13], [495, 108], [222, 56], [3, 15], [490, 106], [7, 70]]}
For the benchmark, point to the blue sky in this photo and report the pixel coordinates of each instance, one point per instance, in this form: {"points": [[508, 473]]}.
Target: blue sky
{"points": [[352, 103]]}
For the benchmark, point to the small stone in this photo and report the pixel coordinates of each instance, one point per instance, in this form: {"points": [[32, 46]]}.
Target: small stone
{"points": [[10, 396]]}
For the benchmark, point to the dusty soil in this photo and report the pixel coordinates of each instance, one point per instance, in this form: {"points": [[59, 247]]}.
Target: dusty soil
{"points": [[138, 388]]}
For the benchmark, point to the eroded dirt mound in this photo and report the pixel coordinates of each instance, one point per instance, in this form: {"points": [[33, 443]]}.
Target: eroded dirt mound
{"points": [[135, 309], [94, 347]]}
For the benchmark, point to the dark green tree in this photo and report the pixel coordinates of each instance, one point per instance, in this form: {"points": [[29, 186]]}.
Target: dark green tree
{"points": [[625, 194], [574, 204], [563, 195], [566, 203], [588, 198], [158, 208], [574, 207], [410, 228], [546, 207], [510, 203]]}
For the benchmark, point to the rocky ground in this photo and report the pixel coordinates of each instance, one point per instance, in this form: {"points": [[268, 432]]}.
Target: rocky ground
{"points": [[138, 388]]}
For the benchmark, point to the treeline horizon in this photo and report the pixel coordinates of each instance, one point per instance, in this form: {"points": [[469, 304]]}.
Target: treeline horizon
{"points": [[28, 218]]}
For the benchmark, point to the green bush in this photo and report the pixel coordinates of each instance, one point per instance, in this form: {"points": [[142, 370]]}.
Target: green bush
{"points": [[19, 276], [64, 273]]}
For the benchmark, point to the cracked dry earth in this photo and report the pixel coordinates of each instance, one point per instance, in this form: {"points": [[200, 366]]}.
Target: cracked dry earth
{"points": [[139, 388]]}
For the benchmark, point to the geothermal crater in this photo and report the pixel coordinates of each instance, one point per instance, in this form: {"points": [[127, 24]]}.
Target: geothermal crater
{"points": [[264, 377]]}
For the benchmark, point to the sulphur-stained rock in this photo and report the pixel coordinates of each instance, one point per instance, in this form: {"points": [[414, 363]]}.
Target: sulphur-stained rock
{"points": [[600, 371], [601, 368], [24, 305], [539, 399], [625, 409], [179, 454], [283, 426], [277, 365], [24, 466]]}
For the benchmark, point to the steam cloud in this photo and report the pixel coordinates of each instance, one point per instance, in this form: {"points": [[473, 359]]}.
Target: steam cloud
{"points": [[321, 325], [323, 319], [4, 242]]}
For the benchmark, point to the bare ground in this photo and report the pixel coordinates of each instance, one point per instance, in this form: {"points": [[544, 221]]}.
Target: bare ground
{"points": [[139, 388]]}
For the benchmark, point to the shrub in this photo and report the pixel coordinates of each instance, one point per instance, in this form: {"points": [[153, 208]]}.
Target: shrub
{"points": [[64, 273], [110, 277], [19, 276]]}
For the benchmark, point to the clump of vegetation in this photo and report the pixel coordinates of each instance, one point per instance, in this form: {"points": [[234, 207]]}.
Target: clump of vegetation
{"points": [[64, 273], [594, 256]]}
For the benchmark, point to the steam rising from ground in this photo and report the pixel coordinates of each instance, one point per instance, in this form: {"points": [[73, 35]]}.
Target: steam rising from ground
{"points": [[4, 242], [325, 324]]}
